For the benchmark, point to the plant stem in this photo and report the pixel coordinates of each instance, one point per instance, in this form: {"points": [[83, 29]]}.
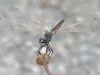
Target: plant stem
{"points": [[47, 69]]}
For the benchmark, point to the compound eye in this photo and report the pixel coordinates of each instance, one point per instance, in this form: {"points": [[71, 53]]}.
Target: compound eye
{"points": [[41, 40]]}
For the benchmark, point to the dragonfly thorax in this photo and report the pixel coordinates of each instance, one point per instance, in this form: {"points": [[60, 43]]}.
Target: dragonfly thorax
{"points": [[47, 38]]}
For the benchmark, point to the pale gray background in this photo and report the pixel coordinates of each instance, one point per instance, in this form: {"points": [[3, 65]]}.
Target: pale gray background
{"points": [[22, 23]]}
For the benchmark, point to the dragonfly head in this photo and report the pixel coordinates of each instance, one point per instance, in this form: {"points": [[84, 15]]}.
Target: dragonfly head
{"points": [[42, 42]]}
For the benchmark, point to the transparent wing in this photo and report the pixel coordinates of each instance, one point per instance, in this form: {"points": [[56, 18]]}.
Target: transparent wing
{"points": [[36, 25], [78, 27], [72, 28], [33, 24]]}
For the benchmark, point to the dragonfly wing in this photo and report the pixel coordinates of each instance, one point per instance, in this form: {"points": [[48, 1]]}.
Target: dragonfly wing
{"points": [[54, 30], [72, 28], [80, 27], [33, 24]]}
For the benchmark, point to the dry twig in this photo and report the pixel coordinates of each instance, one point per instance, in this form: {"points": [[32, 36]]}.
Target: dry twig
{"points": [[47, 69]]}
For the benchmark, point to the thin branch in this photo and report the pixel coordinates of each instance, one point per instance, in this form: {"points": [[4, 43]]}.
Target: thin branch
{"points": [[47, 69]]}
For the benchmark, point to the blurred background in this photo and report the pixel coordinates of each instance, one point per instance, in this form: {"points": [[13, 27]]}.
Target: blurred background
{"points": [[23, 22]]}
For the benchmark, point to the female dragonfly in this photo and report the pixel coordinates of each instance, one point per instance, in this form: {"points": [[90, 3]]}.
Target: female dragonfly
{"points": [[44, 42]]}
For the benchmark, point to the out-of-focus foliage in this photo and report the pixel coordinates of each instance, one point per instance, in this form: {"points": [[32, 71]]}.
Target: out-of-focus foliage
{"points": [[22, 22]]}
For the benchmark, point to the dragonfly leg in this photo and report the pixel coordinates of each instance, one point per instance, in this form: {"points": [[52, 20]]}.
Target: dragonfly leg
{"points": [[39, 50], [49, 50]]}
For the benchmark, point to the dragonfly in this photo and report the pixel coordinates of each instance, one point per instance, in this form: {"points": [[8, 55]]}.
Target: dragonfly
{"points": [[44, 42], [46, 39]]}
